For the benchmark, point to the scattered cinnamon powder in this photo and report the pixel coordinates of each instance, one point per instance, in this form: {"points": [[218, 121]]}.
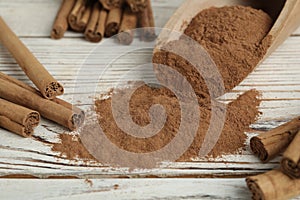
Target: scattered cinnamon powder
{"points": [[71, 147], [116, 186], [240, 114], [89, 182]]}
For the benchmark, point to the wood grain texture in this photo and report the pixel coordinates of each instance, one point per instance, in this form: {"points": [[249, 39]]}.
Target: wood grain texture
{"points": [[119, 189], [71, 62], [125, 189]]}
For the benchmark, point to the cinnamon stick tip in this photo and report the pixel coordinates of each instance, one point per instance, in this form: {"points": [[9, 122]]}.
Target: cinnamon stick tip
{"points": [[111, 29], [52, 90], [125, 37], [256, 191], [290, 168], [76, 120], [259, 149], [93, 37], [27, 132], [33, 119], [57, 33]]}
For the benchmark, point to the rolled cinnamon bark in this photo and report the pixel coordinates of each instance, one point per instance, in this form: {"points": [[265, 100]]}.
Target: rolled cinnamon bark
{"points": [[147, 23], [137, 5], [268, 145], [113, 22], [290, 163], [49, 109], [96, 26], [128, 24], [77, 111], [60, 25], [273, 185], [18, 119], [80, 15], [111, 4], [36, 72]]}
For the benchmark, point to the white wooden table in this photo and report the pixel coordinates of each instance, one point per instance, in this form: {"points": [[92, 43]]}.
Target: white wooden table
{"points": [[30, 170]]}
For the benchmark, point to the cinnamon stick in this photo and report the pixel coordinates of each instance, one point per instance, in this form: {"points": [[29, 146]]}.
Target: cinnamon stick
{"points": [[113, 22], [290, 163], [60, 25], [61, 102], [56, 110], [268, 145], [96, 26], [137, 5], [147, 23], [80, 15], [273, 185], [111, 4], [128, 24], [18, 119], [36, 72]]}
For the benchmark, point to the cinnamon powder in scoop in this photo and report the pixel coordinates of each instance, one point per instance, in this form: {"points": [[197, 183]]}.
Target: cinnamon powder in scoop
{"points": [[235, 37]]}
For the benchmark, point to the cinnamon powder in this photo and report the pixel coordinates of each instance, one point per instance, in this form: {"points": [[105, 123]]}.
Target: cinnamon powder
{"points": [[71, 147], [236, 38], [240, 114]]}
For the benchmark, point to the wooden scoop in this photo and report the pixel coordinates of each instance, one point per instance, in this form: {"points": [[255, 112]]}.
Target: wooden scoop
{"points": [[285, 13]]}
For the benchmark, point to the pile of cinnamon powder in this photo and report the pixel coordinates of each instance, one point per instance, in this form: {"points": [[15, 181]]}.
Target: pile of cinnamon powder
{"points": [[240, 114], [236, 38]]}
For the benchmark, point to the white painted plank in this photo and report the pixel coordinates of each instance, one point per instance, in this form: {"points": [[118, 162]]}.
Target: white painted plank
{"points": [[125, 189], [163, 189]]}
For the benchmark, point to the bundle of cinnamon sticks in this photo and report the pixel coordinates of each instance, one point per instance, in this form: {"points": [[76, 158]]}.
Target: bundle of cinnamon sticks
{"points": [[22, 105], [105, 18], [280, 183]]}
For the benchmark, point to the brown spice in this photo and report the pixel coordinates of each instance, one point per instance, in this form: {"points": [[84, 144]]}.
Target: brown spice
{"points": [[273, 185], [61, 25], [111, 4], [116, 186], [270, 144], [240, 114], [89, 182], [146, 22], [18, 119], [71, 147], [235, 38], [95, 29], [137, 6], [128, 24], [113, 21], [80, 14], [35, 71], [290, 164], [56, 109]]}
